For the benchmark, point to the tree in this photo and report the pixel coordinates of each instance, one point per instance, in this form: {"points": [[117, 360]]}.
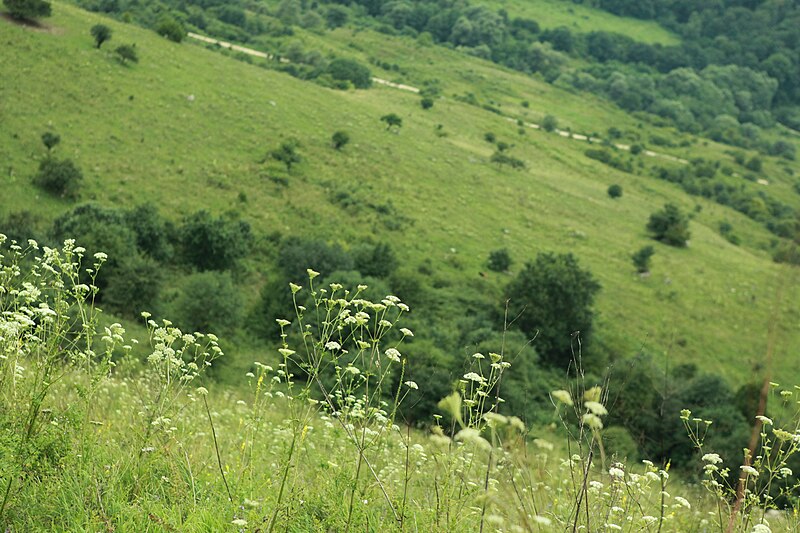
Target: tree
{"points": [[669, 226], [171, 29], [101, 34], [377, 261], [641, 259], [426, 103], [336, 16], [127, 53], [287, 154], [551, 299], [549, 123], [392, 120], [502, 158], [50, 140], [28, 9], [208, 302], [210, 243], [615, 191], [339, 139], [343, 69], [499, 260], [58, 176]]}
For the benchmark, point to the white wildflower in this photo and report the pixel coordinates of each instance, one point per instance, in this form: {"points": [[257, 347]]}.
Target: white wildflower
{"points": [[562, 396], [393, 355]]}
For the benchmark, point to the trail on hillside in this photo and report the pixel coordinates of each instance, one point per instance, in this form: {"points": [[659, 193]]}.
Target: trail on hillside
{"points": [[409, 88]]}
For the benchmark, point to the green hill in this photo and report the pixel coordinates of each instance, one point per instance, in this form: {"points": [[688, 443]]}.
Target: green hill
{"points": [[187, 128]]}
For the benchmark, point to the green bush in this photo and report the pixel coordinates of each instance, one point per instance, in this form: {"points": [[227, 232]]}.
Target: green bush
{"points": [[101, 33], [59, 177], [615, 191], [426, 103], [171, 29], [392, 120], [552, 299], [377, 261], [504, 159], [126, 53], [28, 9], [287, 154], [549, 123], [340, 139], [50, 140], [669, 226], [209, 243], [499, 260], [208, 302], [343, 69], [641, 259]]}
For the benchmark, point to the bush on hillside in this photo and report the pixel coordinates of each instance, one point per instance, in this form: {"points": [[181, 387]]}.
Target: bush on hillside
{"points": [[615, 191], [126, 53], [101, 33], [60, 177], [50, 140], [171, 29], [28, 9], [499, 260], [641, 259], [669, 226], [214, 243], [552, 299], [339, 139], [208, 302], [343, 69]]}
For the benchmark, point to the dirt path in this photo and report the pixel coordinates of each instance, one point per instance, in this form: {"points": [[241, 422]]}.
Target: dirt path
{"points": [[409, 88]]}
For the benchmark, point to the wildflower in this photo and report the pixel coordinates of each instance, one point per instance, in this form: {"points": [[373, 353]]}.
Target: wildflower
{"points": [[761, 528], [785, 472], [685, 414], [494, 419], [407, 332], [239, 522], [282, 322], [353, 370], [100, 256], [333, 346], [683, 501], [472, 376], [596, 408], [562, 396], [393, 355], [473, 436], [411, 385], [615, 527], [295, 288], [312, 273], [616, 472], [403, 307], [593, 421], [543, 444], [712, 458], [593, 394], [749, 470], [764, 420], [202, 391], [286, 352], [542, 520]]}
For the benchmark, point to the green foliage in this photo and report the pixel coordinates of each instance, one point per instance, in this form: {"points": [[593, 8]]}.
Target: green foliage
{"points": [[101, 33], [549, 123], [209, 243], [287, 154], [126, 53], [552, 299], [207, 301], [392, 120], [50, 140], [60, 177], [490, 137], [343, 69], [28, 9], [669, 226], [133, 286], [615, 191], [154, 235], [641, 259], [171, 29], [296, 255], [377, 260], [502, 158], [426, 102], [339, 139], [499, 260], [336, 16]]}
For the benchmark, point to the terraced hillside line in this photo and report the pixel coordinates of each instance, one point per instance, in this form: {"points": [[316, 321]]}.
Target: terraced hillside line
{"points": [[264, 55]]}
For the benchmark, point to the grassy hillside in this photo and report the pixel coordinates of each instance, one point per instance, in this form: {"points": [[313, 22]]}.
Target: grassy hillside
{"points": [[140, 138]]}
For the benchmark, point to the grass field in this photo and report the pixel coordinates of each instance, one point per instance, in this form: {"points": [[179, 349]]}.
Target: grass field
{"points": [[139, 138]]}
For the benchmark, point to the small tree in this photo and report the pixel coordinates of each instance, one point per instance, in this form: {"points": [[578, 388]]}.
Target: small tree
{"points": [[499, 260], [126, 53], [551, 299], [426, 103], [58, 176], [615, 191], [504, 159], [392, 120], [641, 259], [549, 123], [339, 139], [343, 69], [489, 137], [50, 140], [669, 226], [287, 154], [171, 29], [28, 9], [101, 34]]}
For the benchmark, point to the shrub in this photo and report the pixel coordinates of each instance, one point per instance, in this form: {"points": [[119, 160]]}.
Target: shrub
{"points": [[669, 226], [489, 137], [754, 164], [208, 301], [133, 286], [426, 103], [126, 53], [376, 261], [287, 154], [28, 9], [552, 298], [499, 260], [210, 243], [641, 259], [549, 123], [615, 191], [339, 139], [296, 255], [59, 177], [343, 69], [50, 140], [171, 29], [636, 149], [101, 33], [392, 120], [504, 159]]}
